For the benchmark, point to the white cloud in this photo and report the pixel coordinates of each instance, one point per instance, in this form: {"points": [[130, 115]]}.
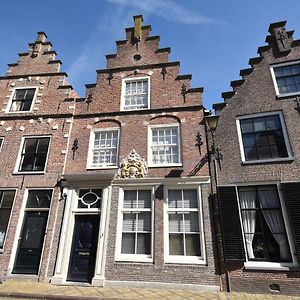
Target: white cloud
{"points": [[167, 9]]}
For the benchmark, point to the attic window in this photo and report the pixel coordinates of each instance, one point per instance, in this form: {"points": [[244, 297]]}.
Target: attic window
{"points": [[22, 100], [137, 57]]}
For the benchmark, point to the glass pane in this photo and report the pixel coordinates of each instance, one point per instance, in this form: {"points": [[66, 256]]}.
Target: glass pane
{"points": [[4, 218], [27, 163], [249, 140], [176, 222], [128, 243], [264, 152], [39, 199], [29, 94], [8, 198], [30, 146], [144, 199], [246, 126], [191, 222], [40, 162], [129, 222], [190, 199], [259, 124], [144, 243], [192, 242], [273, 122], [144, 221], [175, 199], [130, 199], [176, 244], [43, 144]]}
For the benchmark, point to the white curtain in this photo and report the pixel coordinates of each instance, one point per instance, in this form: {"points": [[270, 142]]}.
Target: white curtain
{"points": [[269, 199], [247, 201]]}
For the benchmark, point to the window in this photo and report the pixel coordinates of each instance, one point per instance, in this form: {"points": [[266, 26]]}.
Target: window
{"points": [[263, 138], [34, 154], [6, 202], [184, 242], [135, 94], [263, 225], [287, 79], [1, 143], [103, 148], [164, 148], [89, 198], [135, 234], [22, 100]]}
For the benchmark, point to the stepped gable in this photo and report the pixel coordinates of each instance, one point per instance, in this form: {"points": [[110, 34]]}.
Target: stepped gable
{"points": [[39, 59], [139, 55], [280, 42]]}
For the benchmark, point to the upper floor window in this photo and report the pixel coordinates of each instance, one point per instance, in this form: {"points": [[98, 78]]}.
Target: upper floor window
{"points": [[263, 137], [286, 78], [103, 149], [164, 145], [6, 202], [135, 93], [135, 225], [263, 224], [34, 154], [22, 100], [183, 226]]}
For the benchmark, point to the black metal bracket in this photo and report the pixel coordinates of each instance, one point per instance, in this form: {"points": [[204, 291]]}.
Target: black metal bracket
{"points": [[183, 91], [110, 77], [199, 142], [75, 147], [164, 72]]}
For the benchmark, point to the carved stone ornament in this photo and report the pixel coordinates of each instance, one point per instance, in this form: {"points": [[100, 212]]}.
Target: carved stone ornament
{"points": [[282, 40], [132, 166]]}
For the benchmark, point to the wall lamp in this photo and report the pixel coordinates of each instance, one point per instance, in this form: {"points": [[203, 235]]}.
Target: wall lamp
{"points": [[211, 125], [62, 184]]}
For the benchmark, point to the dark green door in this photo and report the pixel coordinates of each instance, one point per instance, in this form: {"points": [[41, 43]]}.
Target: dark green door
{"points": [[84, 248], [31, 243]]}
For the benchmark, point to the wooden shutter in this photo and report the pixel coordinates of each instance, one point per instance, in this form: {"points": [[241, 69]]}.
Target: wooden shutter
{"points": [[291, 194], [231, 226]]}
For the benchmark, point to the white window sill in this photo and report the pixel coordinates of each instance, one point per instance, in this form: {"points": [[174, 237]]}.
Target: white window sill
{"points": [[101, 167], [164, 165], [272, 160], [288, 94], [136, 109], [254, 265], [19, 112], [177, 259], [134, 258], [29, 173]]}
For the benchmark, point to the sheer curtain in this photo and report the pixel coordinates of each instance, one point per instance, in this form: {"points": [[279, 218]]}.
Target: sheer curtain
{"points": [[268, 198], [247, 202]]}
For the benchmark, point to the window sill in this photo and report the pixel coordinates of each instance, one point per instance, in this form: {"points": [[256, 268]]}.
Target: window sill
{"points": [[135, 109], [101, 167], [134, 259], [19, 112], [29, 173], [268, 161], [287, 95], [269, 266], [192, 260], [165, 165]]}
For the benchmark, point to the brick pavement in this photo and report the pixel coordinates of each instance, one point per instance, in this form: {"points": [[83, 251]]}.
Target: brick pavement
{"points": [[41, 290]]}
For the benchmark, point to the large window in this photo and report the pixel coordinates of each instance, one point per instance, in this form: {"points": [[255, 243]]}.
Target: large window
{"points": [[135, 234], [263, 224], [164, 145], [6, 202], [135, 94], [103, 148], [263, 137], [22, 100], [34, 154], [184, 241], [287, 79]]}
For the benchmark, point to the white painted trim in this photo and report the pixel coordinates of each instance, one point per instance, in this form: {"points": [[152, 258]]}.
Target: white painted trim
{"points": [[18, 161], [91, 143], [181, 259], [10, 215], [263, 265], [284, 132], [123, 88], [1, 146], [12, 95], [149, 155], [133, 257], [275, 81]]}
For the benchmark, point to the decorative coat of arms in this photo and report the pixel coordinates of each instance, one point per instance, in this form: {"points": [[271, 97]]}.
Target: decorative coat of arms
{"points": [[132, 166]]}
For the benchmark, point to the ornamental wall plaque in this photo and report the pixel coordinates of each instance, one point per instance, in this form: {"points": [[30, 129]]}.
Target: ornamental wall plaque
{"points": [[132, 166]]}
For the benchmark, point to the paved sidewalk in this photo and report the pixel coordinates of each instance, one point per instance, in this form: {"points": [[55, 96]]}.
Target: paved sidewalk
{"points": [[41, 290]]}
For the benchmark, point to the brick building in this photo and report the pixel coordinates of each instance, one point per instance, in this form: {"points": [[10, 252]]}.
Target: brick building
{"points": [[258, 180], [114, 181], [34, 132]]}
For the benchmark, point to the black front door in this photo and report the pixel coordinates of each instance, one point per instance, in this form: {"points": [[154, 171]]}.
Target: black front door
{"points": [[84, 248], [31, 243]]}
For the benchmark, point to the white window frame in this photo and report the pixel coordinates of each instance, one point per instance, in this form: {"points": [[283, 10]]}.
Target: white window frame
{"points": [[275, 81], [150, 158], [181, 259], [11, 100], [16, 170], [262, 265], [90, 164], [2, 139], [133, 257], [123, 92], [284, 132], [10, 216]]}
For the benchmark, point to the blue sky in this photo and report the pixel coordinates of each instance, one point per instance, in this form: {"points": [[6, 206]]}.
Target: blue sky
{"points": [[212, 39]]}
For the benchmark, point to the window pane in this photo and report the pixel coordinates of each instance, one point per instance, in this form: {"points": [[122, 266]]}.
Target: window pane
{"points": [[128, 243], [192, 244], [39, 199], [144, 199], [176, 244], [129, 222], [144, 221], [7, 199], [191, 223], [175, 222], [144, 243], [130, 198], [175, 199], [190, 199], [4, 218]]}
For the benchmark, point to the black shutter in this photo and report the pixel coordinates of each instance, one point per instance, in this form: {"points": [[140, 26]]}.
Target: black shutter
{"points": [[231, 226], [291, 194]]}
